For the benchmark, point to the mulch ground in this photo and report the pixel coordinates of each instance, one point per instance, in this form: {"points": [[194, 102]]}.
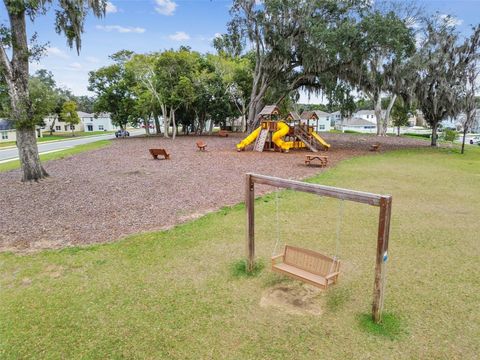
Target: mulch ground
{"points": [[105, 194]]}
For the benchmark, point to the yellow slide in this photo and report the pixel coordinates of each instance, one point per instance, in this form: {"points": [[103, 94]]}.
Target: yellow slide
{"points": [[320, 140], [248, 140], [277, 137]]}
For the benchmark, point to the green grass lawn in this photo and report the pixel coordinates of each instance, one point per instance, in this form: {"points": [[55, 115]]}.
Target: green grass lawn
{"points": [[12, 165], [177, 294]]}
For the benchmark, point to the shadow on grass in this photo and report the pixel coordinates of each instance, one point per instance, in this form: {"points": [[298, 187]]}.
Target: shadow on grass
{"points": [[391, 326], [238, 269]]}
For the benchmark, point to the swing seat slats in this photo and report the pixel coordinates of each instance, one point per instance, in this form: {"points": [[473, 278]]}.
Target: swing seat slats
{"points": [[307, 266]]}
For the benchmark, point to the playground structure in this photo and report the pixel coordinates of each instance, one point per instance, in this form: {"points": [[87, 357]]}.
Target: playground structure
{"points": [[276, 135]]}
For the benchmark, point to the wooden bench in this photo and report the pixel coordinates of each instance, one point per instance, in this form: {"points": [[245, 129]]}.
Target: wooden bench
{"points": [[156, 152], [375, 147], [323, 159], [223, 133], [307, 266], [201, 146]]}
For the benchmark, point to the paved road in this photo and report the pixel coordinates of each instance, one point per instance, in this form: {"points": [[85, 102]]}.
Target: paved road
{"points": [[12, 153]]}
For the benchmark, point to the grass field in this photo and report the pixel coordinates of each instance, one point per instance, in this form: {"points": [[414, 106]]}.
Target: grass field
{"points": [[179, 294], [12, 165]]}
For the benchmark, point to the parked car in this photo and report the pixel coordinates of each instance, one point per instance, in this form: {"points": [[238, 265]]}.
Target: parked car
{"points": [[121, 133], [475, 140]]}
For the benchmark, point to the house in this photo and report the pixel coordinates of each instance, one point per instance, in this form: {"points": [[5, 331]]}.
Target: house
{"points": [[53, 123], [336, 120], [368, 115], [88, 123], [456, 122], [319, 119], [359, 125], [96, 122], [8, 132]]}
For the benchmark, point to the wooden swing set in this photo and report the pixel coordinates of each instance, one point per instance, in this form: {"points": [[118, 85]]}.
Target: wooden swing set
{"points": [[310, 266]]}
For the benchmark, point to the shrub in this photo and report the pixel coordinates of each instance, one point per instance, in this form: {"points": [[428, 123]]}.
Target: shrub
{"points": [[450, 135]]}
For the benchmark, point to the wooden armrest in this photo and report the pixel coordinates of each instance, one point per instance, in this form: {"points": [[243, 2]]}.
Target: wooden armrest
{"points": [[275, 258], [332, 275]]}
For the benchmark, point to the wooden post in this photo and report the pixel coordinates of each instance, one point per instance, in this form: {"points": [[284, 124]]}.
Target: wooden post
{"points": [[249, 205], [382, 257]]}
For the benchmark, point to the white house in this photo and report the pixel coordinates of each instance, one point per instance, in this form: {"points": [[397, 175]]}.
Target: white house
{"points": [[456, 122], [368, 115], [54, 123], [359, 125], [8, 132], [96, 122], [88, 123], [336, 120], [319, 119]]}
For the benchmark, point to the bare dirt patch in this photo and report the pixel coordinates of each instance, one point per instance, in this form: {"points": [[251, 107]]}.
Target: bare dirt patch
{"points": [[294, 299], [105, 194]]}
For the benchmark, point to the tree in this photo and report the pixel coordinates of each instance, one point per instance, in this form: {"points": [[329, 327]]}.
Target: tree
{"points": [[295, 43], [175, 72], [113, 86], [69, 19], [400, 114], [142, 66], [69, 115], [469, 101], [43, 96], [384, 43], [440, 67], [85, 103]]}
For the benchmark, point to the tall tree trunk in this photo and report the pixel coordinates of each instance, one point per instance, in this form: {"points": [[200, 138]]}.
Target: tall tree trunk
{"points": [[147, 126], [28, 153], [378, 115], [387, 115], [463, 140], [15, 74], [157, 124], [166, 121], [174, 124], [434, 134], [210, 128]]}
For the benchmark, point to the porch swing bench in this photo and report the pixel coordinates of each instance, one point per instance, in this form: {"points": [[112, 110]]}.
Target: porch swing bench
{"points": [[308, 266]]}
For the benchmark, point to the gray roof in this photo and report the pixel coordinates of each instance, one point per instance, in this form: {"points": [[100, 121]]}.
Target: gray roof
{"points": [[365, 112], [6, 124], [357, 122], [321, 113], [84, 114]]}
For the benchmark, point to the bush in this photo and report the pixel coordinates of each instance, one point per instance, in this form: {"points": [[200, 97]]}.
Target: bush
{"points": [[450, 135], [351, 132]]}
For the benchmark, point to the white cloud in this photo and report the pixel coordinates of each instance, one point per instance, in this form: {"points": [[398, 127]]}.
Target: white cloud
{"points": [[75, 66], [111, 8], [451, 20], [121, 29], [92, 59], [165, 7], [54, 51], [179, 36], [217, 35]]}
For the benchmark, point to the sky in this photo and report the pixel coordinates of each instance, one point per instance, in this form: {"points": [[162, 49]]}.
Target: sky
{"points": [[154, 25]]}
